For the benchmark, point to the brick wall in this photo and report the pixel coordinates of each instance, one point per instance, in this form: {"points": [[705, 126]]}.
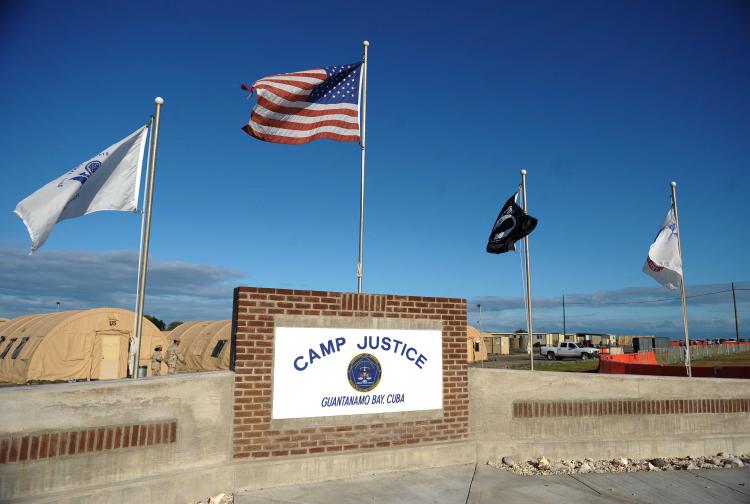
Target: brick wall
{"points": [[48, 445], [257, 436], [587, 408]]}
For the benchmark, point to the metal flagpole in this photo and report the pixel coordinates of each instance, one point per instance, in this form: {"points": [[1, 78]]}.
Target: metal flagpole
{"points": [[143, 260], [564, 324], [131, 353], [481, 338], [528, 275], [673, 184], [366, 44], [736, 321]]}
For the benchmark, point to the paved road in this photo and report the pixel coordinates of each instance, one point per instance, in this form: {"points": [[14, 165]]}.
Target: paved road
{"points": [[466, 484]]}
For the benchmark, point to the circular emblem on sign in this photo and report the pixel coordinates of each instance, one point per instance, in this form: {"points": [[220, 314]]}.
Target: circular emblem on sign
{"points": [[364, 372], [92, 166]]}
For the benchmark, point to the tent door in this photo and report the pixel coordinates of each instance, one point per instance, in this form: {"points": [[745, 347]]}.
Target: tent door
{"points": [[112, 347]]}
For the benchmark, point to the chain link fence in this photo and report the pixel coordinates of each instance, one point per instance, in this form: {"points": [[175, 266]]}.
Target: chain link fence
{"points": [[676, 355]]}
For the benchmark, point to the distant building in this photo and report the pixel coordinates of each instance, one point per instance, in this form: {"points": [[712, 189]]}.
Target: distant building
{"points": [[519, 341], [634, 344], [596, 339], [496, 344]]}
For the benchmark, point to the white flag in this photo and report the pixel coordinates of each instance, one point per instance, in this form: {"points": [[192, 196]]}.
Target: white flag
{"points": [[664, 262], [108, 181]]}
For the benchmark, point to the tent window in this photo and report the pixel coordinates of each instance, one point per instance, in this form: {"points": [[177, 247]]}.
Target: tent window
{"points": [[218, 348], [7, 348], [2, 340], [20, 346]]}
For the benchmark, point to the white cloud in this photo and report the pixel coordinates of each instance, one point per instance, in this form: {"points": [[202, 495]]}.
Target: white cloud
{"points": [[622, 311], [81, 280]]}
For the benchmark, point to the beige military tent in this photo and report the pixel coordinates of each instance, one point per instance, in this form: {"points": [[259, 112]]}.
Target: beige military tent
{"points": [[204, 343], [81, 345], [476, 348]]}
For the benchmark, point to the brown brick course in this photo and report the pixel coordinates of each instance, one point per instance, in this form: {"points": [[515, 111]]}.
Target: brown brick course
{"points": [[604, 407], [45, 445], [24, 452], [4, 448], [252, 353]]}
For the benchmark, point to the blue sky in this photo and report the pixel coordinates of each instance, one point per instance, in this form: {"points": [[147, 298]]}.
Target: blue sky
{"points": [[602, 102]]}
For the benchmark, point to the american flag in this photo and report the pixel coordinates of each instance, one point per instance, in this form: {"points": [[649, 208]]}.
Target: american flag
{"points": [[299, 107]]}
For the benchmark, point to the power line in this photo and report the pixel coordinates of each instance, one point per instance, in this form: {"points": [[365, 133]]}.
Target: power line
{"points": [[650, 300], [647, 301]]}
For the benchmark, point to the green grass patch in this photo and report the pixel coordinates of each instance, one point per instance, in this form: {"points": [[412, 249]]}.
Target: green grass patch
{"points": [[541, 364], [572, 366]]}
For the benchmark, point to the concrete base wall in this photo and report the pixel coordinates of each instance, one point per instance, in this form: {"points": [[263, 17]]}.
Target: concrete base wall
{"points": [[516, 413], [259, 474], [199, 406], [193, 484], [576, 415], [197, 462]]}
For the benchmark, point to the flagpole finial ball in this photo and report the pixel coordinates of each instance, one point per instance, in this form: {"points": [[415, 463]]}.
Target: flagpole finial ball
{"points": [[159, 100], [673, 183], [523, 172], [365, 43]]}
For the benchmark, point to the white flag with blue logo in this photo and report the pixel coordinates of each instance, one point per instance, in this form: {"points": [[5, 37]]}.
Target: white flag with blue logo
{"points": [[108, 181], [664, 262]]}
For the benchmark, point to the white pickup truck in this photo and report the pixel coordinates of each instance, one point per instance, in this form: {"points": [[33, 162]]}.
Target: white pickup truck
{"points": [[563, 350]]}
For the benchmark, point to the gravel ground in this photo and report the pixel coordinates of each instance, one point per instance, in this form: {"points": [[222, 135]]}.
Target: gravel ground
{"points": [[222, 498], [543, 466]]}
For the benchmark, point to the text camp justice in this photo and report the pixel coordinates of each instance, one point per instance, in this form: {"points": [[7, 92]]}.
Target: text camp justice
{"points": [[385, 343]]}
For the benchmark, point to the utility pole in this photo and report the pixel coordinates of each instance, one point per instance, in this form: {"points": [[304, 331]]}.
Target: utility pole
{"points": [[736, 320], [565, 331]]}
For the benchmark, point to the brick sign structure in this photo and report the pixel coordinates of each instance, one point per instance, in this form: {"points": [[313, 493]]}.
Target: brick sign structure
{"points": [[257, 313]]}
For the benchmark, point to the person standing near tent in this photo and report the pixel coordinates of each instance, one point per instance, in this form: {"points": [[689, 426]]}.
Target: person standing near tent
{"points": [[174, 355], [156, 359]]}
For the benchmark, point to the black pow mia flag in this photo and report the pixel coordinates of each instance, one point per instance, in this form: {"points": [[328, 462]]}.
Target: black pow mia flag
{"points": [[511, 225]]}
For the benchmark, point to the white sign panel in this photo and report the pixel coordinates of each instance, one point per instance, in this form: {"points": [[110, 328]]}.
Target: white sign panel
{"points": [[328, 372]]}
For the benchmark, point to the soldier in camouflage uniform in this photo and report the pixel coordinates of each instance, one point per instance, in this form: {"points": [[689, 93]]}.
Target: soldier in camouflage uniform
{"points": [[156, 359], [174, 355]]}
